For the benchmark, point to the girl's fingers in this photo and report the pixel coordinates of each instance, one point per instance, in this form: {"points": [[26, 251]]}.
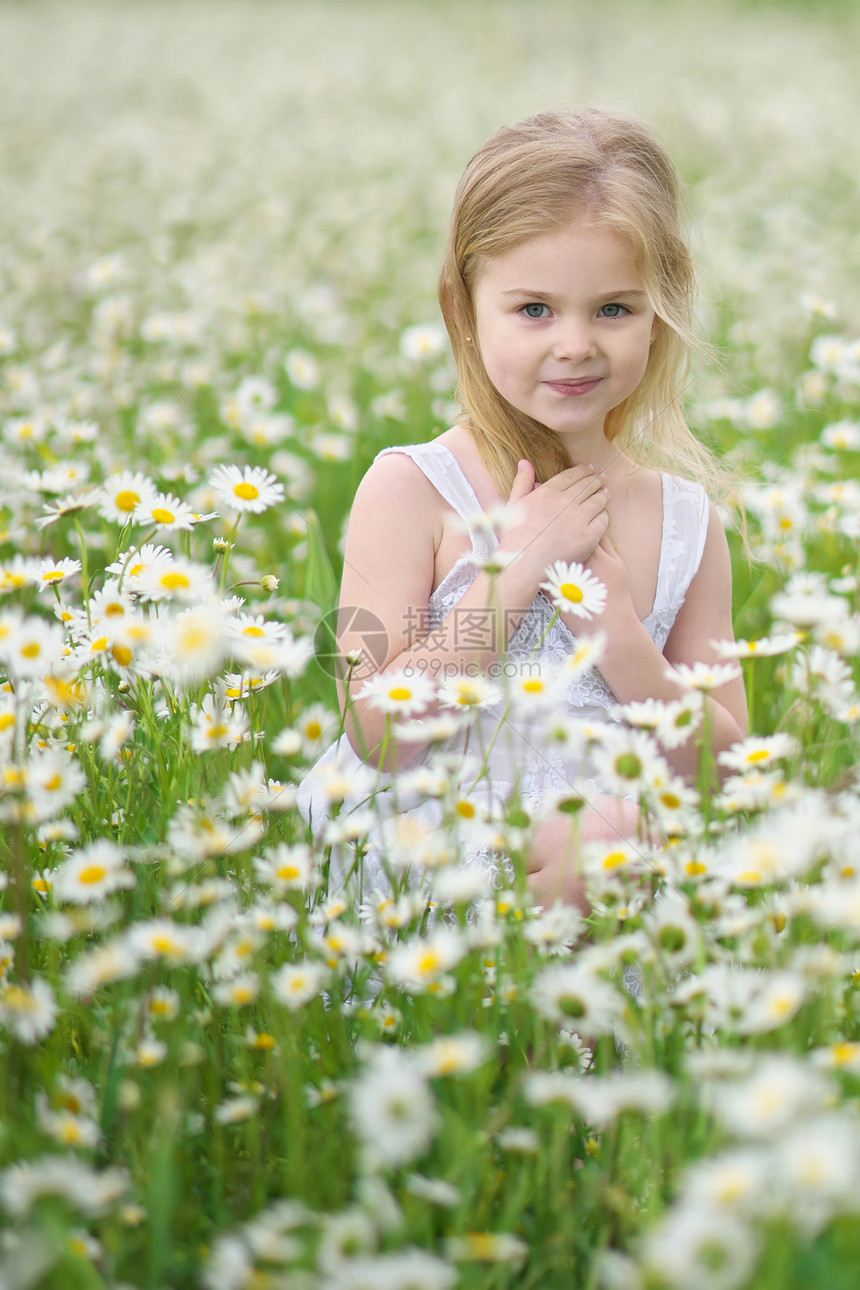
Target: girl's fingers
{"points": [[524, 481]]}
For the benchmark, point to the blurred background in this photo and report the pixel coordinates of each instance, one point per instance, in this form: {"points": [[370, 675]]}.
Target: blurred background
{"points": [[239, 147]]}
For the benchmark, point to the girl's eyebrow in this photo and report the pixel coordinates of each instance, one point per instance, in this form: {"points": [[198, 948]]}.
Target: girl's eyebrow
{"points": [[627, 292]]}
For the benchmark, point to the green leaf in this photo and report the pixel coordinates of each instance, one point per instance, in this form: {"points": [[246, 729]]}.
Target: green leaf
{"points": [[321, 585]]}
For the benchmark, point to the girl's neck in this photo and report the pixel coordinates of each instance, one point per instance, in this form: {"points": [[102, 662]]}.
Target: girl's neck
{"points": [[599, 452]]}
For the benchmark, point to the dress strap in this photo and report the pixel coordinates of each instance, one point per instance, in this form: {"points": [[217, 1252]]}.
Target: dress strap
{"points": [[446, 475], [685, 528]]}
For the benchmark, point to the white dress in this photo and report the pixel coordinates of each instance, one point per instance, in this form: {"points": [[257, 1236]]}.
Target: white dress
{"points": [[516, 758]]}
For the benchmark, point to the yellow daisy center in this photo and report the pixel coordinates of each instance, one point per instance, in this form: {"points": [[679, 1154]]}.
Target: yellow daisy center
{"points": [[92, 874], [248, 492], [844, 1052], [429, 962], [162, 516], [175, 580], [194, 638], [264, 1041], [127, 500], [163, 944], [570, 591]]}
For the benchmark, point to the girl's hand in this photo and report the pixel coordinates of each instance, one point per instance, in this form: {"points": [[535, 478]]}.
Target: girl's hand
{"points": [[563, 519], [606, 564]]}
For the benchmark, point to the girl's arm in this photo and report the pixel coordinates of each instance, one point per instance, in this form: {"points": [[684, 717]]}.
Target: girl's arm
{"points": [[633, 666], [394, 531]]}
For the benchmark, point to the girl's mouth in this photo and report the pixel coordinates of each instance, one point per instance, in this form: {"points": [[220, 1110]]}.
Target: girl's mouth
{"points": [[582, 385]]}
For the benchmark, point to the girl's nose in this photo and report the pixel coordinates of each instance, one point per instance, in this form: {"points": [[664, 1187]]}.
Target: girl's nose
{"points": [[574, 339]]}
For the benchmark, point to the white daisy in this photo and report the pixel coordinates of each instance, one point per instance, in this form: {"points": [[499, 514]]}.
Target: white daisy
{"points": [[587, 655], [568, 993], [33, 648], [423, 341], [91, 874], [403, 693], [302, 369], [759, 751], [167, 511], [469, 692], [842, 435], [704, 677], [216, 725], [297, 983], [453, 1054], [288, 868], [245, 489], [419, 964], [136, 562], [181, 579], [574, 589], [18, 572], [70, 504], [393, 1112], [765, 646], [52, 572], [196, 643], [628, 762], [109, 604], [532, 690], [123, 495], [29, 1011], [238, 992], [54, 779]]}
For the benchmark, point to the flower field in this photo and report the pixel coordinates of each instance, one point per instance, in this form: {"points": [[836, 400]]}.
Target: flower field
{"points": [[220, 1066]]}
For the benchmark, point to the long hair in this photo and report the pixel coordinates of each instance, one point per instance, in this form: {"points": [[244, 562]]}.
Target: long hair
{"points": [[530, 179]]}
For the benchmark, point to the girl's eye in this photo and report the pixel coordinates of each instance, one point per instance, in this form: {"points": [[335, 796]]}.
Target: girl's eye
{"points": [[613, 311], [535, 310]]}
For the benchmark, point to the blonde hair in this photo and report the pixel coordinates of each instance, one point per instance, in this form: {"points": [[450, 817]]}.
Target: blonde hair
{"points": [[527, 180]]}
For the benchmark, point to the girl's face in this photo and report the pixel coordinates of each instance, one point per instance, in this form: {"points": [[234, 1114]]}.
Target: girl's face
{"points": [[564, 327]]}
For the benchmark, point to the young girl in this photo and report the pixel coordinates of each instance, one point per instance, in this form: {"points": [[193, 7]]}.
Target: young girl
{"points": [[567, 293]]}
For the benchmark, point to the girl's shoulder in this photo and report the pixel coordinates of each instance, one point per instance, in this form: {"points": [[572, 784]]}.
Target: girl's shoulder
{"points": [[397, 490]]}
